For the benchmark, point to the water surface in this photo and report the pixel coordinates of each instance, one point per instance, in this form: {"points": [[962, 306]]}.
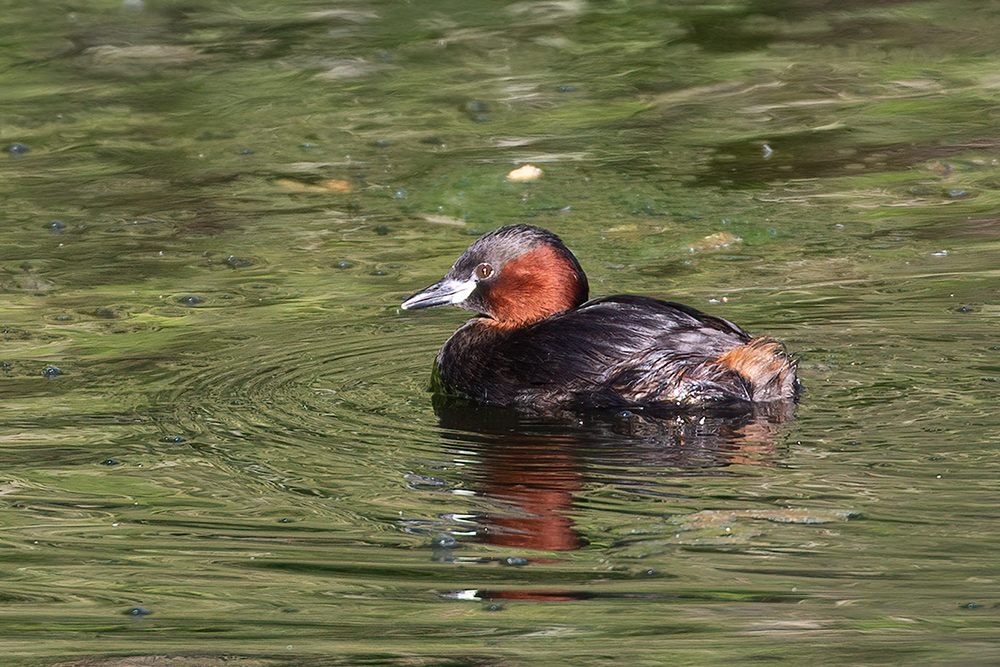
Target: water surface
{"points": [[216, 441]]}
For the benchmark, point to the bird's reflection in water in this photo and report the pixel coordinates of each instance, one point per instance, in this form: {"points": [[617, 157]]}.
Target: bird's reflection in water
{"points": [[531, 467]]}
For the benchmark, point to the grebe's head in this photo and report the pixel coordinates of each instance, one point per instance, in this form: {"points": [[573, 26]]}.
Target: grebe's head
{"points": [[515, 275]]}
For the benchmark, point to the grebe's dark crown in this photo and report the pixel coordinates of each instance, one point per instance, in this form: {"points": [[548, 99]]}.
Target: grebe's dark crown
{"points": [[509, 243]]}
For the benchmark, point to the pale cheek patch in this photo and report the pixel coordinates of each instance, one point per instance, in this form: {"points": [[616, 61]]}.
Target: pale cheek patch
{"points": [[463, 292]]}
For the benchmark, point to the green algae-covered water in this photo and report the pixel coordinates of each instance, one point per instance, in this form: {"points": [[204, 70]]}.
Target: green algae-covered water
{"points": [[216, 444]]}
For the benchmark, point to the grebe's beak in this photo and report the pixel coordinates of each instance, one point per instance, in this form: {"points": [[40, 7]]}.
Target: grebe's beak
{"points": [[448, 292]]}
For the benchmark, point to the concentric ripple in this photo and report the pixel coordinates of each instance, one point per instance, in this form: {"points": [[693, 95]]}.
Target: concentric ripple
{"points": [[323, 412]]}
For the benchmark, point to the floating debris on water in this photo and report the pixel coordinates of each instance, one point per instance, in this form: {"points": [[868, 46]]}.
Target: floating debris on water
{"points": [[336, 185], [329, 185], [237, 262], [525, 174], [715, 241]]}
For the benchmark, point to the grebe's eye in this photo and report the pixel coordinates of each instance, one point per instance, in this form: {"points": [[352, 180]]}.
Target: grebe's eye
{"points": [[484, 271]]}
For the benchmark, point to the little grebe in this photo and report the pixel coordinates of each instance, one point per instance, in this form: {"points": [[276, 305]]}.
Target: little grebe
{"points": [[537, 344]]}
